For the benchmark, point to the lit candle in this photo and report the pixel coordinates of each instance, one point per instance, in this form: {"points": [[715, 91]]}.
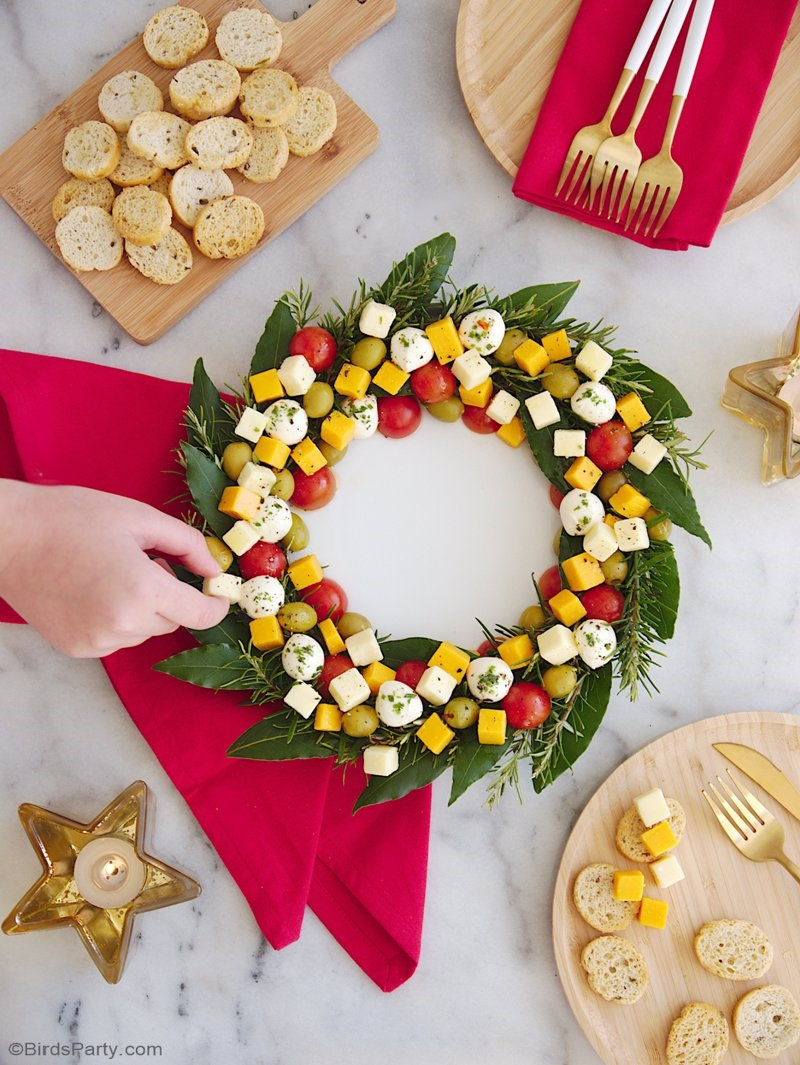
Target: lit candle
{"points": [[108, 872]]}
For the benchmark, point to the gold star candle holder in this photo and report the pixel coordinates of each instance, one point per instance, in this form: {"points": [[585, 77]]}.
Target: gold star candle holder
{"points": [[96, 877], [767, 394]]}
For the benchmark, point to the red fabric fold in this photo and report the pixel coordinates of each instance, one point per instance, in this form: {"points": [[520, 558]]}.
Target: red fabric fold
{"points": [[284, 830], [739, 55]]}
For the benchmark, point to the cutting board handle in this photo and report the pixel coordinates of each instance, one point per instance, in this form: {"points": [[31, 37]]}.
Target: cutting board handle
{"points": [[332, 28]]}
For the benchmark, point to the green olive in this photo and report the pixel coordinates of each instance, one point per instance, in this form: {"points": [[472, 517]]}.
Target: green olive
{"points": [[449, 410], [368, 353], [234, 458], [461, 713], [297, 617], [332, 454], [318, 401], [284, 484], [559, 681], [532, 617], [659, 526], [512, 339], [220, 552], [298, 536], [359, 722], [615, 568], [349, 624], [610, 483], [560, 381], [557, 543]]}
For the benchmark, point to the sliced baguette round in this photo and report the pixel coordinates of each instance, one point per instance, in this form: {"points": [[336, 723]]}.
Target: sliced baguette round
{"points": [[594, 900], [160, 137], [175, 34], [631, 827], [313, 123], [269, 98], [734, 950], [88, 239], [269, 156], [161, 183], [133, 169], [192, 189], [247, 38], [205, 89], [78, 193], [166, 263], [767, 1021], [141, 216], [125, 96], [698, 1037], [91, 150], [229, 228], [219, 143], [616, 969]]}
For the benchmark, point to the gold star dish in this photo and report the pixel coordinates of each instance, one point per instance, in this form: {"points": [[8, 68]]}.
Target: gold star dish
{"points": [[96, 877]]}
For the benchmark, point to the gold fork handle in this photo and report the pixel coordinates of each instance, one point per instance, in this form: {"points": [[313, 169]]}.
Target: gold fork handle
{"points": [[641, 105], [625, 79], [790, 867]]}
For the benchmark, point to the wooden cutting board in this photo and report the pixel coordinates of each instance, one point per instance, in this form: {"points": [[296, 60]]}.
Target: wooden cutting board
{"points": [[719, 883], [31, 171]]}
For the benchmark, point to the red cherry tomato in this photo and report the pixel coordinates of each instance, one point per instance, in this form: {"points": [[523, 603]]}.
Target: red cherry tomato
{"points": [[332, 667], [550, 583], [604, 603], [526, 705], [328, 599], [609, 446], [433, 383], [410, 672], [486, 648], [263, 559], [476, 419], [317, 346], [555, 496], [398, 416], [312, 491]]}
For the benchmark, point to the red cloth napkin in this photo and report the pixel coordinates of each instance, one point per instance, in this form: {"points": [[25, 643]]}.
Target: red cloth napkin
{"points": [[284, 829], [741, 49]]}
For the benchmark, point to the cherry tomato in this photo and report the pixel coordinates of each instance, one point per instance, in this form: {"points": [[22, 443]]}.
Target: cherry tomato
{"points": [[604, 603], [317, 346], [410, 672], [555, 496], [527, 705], [313, 491], [398, 416], [263, 559], [332, 667], [485, 648], [476, 419], [609, 446], [328, 599], [550, 583], [433, 383]]}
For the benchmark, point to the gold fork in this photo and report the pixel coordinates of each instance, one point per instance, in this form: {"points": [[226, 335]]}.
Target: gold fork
{"points": [[749, 825]]}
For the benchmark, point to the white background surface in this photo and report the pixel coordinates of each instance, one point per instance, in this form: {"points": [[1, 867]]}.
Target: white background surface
{"points": [[458, 536]]}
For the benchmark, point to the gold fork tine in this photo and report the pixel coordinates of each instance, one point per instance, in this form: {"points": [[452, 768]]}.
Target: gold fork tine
{"points": [[757, 807], [734, 836], [582, 164], [731, 814], [657, 202], [672, 195], [750, 818]]}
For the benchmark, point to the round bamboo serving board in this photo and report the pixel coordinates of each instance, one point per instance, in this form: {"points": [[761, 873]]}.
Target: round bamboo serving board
{"points": [[507, 50], [719, 882]]}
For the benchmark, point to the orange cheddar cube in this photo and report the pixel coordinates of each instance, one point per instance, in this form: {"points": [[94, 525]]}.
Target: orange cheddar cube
{"points": [[266, 386], [330, 634], [516, 652], [240, 503], [338, 430], [628, 885], [531, 357], [308, 456], [659, 839], [304, 572], [272, 452], [583, 474], [512, 434], [451, 659], [611, 520], [629, 502], [328, 718], [653, 913], [375, 674], [557, 346], [567, 607], [445, 340], [478, 396], [582, 572], [492, 727], [352, 381], [390, 378], [435, 734], [632, 411], [266, 633]]}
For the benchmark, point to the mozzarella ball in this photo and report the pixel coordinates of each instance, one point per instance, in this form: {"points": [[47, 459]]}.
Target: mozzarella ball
{"points": [[483, 331], [286, 421], [580, 511], [397, 704], [410, 348], [364, 413], [273, 519], [302, 657], [261, 597], [596, 642], [489, 679], [593, 402]]}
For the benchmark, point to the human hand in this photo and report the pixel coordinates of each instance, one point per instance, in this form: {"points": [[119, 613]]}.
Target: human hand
{"points": [[74, 564]]}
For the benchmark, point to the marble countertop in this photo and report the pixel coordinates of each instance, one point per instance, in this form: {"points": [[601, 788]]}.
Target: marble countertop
{"points": [[200, 981]]}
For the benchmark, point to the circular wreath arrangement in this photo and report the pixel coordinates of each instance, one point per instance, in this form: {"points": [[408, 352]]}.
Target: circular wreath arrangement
{"points": [[600, 425]]}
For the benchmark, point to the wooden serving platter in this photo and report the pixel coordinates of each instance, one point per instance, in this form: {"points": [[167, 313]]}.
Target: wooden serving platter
{"points": [[507, 50], [31, 170], [719, 882]]}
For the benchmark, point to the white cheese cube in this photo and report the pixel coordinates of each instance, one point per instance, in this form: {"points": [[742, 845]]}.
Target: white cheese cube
{"points": [[569, 443], [363, 648], [471, 369], [647, 454], [632, 534], [376, 319], [251, 425], [380, 760], [652, 807], [543, 411], [258, 479], [349, 690], [600, 542], [557, 645], [667, 871], [241, 537], [303, 698], [593, 361], [410, 348], [436, 685], [503, 407], [296, 375], [225, 585]]}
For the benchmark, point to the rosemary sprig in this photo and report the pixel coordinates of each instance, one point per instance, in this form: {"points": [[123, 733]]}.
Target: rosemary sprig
{"points": [[299, 303], [638, 637], [201, 427], [684, 458], [507, 774]]}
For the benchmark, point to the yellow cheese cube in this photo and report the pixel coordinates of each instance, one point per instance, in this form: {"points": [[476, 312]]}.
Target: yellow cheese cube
{"points": [[304, 572], [445, 340], [611, 520], [451, 659], [338, 430], [390, 378], [266, 633], [352, 381], [266, 386], [531, 357], [478, 396], [653, 913], [435, 734], [328, 718], [308, 456], [512, 434], [628, 885], [567, 607], [492, 727], [583, 474], [239, 502], [330, 634], [632, 411], [659, 839], [272, 452], [375, 674], [516, 652], [582, 572], [630, 503], [557, 346]]}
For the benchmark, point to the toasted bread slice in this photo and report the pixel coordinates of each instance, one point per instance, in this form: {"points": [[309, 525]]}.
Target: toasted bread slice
{"points": [[313, 123], [698, 1037], [192, 189], [166, 263], [125, 96], [631, 827], [88, 239], [141, 216], [269, 98], [160, 137], [269, 156], [206, 89], [734, 950], [219, 143], [767, 1021], [594, 900], [133, 169], [175, 34], [229, 228], [79, 193], [91, 150], [248, 38], [616, 969]]}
